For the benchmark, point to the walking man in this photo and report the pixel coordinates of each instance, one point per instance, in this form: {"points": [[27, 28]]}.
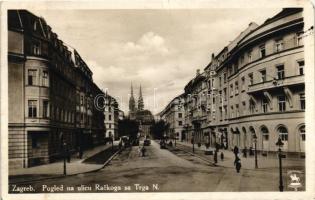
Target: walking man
{"points": [[237, 164]]}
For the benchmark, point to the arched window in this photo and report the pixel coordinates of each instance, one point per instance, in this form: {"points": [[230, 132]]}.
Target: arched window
{"points": [[302, 132], [283, 133], [265, 133]]}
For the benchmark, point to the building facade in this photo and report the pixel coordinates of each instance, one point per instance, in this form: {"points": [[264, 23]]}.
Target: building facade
{"points": [[50, 94], [254, 89], [173, 115], [111, 113]]}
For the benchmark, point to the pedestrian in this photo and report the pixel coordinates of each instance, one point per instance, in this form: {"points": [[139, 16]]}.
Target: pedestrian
{"points": [[139, 151], [237, 164], [222, 156], [251, 152], [245, 152], [80, 152], [235, 150], [143, 151], [215, 157]]}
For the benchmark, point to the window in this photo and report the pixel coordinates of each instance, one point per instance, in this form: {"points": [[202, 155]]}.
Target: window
{"points": [[109, 109], [232, 112], [249, 55], [220, 81], [242, 59], [264, 105], [36, 48], [263, 75], [302, 101], [283, 133], [32, 76], [299, 40], [244, 107], [32, 108], [45, 78], [224, 77], [237, 110], [225, 112], [34, 142], [251, 107], [45, 109], [251, 79], [302, 132], [265, 134], [81, 100], [279, 45], [110, 126], [180, 115], [35, 26], [224, 94], [220, 109], [262, 51], [243, 83], [213, 100], [280, 72], [236, 87], [109, 117], [301, 67], [220, 96], [231, 90], [281, 103], [180, 123]]}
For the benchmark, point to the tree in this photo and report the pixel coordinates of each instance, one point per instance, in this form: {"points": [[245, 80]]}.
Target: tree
{"points": [[127, 127], [158, 129]]}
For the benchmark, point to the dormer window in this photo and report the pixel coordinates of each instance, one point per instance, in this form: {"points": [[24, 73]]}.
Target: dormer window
{"points": [[35, 26]]}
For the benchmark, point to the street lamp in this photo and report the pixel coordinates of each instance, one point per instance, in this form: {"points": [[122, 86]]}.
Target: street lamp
{"points": [[280, 144], [64, 158], [193, 134], [255, 142]]}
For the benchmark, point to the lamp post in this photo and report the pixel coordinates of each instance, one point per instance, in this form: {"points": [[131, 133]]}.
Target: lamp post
{"points": [[64, 158], [280, 144], [255, 142], [193, 134]]}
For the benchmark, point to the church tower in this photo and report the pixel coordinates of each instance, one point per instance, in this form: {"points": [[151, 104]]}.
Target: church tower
{"points": [[132, 103], [140, 101]]}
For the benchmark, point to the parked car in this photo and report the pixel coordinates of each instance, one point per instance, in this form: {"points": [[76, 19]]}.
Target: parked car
{"points": [[162, 144], [209, 151], [146, 142]]}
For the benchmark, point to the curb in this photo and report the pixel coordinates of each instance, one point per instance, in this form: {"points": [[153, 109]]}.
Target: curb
{"points": [[61, 176], [218, 165]]}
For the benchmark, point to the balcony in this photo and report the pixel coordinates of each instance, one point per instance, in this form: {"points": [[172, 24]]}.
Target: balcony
{"points": [[287, 81]]}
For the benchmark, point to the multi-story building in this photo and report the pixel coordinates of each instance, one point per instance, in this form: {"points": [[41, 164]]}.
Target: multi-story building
{"points": [[49, 88], [173, 115], [111, 113], [255, 89]]}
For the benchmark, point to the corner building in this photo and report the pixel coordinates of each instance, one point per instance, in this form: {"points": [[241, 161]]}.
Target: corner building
{"points": [[51, 94], [254, 88]]}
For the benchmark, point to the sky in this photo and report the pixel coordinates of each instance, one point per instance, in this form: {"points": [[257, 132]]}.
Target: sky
{"points": [[159, 49]]}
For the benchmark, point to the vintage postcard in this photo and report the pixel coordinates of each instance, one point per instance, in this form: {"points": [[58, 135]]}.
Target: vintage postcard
{"points": [[157, 100]]}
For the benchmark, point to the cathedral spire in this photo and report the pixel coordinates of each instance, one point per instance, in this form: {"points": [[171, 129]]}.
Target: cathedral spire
{"points": [[132, 103], [140, 100]]}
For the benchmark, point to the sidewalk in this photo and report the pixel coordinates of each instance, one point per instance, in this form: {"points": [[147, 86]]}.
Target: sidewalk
{"points": [[74, 167], [247, 163]]}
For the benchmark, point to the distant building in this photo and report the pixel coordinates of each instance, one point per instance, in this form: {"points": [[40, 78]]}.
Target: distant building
{"points": [[51, 93], [174, 116], [111, 113]]}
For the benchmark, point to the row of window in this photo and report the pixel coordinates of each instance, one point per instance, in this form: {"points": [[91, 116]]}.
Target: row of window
{"points": [[34, 79], [49, 111]]}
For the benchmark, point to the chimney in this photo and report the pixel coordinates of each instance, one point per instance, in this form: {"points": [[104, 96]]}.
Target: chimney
{"points": [[198, 72]]}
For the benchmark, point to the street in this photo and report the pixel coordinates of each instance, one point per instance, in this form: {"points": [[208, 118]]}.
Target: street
{"points": [[160, 170]]}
